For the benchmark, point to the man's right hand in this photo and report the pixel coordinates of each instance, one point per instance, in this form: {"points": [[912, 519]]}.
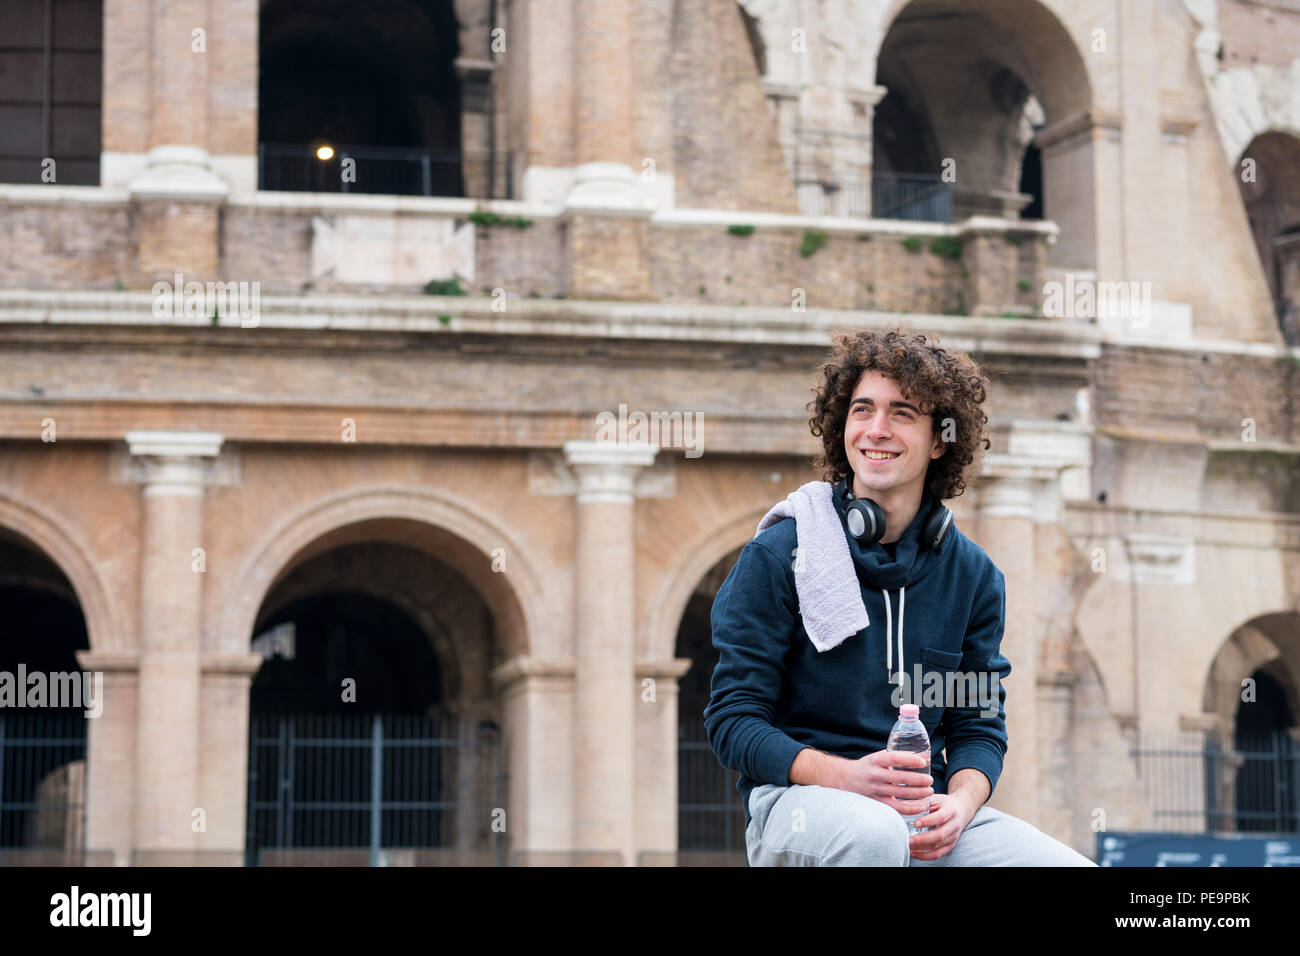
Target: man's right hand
{"points": [[873, 776]]}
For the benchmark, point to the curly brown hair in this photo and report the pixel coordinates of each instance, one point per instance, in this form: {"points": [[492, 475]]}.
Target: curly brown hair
{"points": [[947, 381]]}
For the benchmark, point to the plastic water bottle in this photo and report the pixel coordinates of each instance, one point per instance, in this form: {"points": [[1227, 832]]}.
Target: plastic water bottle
{"points": [[909, 735]]}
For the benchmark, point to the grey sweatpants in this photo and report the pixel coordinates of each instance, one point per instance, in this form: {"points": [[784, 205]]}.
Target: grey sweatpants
{"points": [[824, 826]]}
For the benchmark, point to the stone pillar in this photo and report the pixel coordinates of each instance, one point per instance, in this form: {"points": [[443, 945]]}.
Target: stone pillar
{"points": [[1057, 812], [223, 754], [110, 754], [606, 686], [1006, 529], [171, 593], [656, 753], [537, 698], [607, 210], [1021, 488], [178, 195]]}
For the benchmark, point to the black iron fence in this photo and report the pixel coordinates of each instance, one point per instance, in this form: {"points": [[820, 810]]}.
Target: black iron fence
{"points": [[710, 816], [43, 781], [913, 196], [377, 789], [384, 170], [1193, 783]]}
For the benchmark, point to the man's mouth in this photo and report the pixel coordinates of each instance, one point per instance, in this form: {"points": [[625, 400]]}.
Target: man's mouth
{"points": [[880, 455]]}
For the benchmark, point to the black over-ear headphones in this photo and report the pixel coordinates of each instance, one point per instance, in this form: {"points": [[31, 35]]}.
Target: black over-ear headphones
{"points": [[866, 520]]}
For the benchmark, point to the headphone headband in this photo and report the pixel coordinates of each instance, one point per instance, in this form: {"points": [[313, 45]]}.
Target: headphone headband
{"points": [[866, 520]]}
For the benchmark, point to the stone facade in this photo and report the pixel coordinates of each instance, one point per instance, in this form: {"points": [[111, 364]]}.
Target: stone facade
{"points": [[1140, 495]]}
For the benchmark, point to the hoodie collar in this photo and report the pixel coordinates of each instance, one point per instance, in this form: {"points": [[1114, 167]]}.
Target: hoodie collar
{"points": [[873, 562]]}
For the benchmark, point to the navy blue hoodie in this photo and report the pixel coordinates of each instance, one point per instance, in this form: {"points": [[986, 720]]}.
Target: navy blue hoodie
{"points": [[773, 693]]}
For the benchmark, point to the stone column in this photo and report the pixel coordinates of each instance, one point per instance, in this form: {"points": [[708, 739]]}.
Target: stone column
{"points": [[607, 690], [1006, 529], [223, 754], [1021, 488], [178, 195], [537, 697], [172, 466], [656, 753], [110, 754], [607, 210]]}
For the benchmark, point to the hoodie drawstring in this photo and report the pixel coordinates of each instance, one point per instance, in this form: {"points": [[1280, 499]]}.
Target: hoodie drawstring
{"points": [[889, 626]]}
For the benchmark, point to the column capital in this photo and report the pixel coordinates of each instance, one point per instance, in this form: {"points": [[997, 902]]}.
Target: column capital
{"points": [[172, 463], [525, 666], [607, 471], [672, 667], [109, 662], [236, 665]]}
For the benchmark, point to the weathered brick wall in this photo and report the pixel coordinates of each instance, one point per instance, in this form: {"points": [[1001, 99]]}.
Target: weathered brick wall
{"points": [[726, 146], [54, 246], [851, 271], [524, 262], [66, 245], [1205, 394], [271, 246]]}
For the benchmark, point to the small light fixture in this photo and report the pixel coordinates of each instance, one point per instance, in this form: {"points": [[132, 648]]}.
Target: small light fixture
{"points": [[324, 151]]}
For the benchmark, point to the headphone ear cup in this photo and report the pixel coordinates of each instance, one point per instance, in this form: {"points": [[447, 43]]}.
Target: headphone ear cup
{"points": [[936, 528], [866, 520]]}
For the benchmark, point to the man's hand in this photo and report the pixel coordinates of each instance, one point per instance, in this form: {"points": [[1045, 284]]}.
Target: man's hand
{"points": [[949, 814], [873, 776]]}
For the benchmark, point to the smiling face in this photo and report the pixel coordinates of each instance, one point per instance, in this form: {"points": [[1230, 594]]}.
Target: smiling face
{"points": [[889, 441]]}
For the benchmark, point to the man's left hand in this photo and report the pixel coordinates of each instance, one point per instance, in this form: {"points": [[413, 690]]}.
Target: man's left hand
{"points": [[948, 816]]}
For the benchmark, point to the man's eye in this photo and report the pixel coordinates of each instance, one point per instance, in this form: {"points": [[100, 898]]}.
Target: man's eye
{"points": [[905, 414]]}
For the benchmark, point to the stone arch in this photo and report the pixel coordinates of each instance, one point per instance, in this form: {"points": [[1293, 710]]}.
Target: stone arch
{"points": [[1249, 103], [1030, 25], [1269, 641], [659, 639], [391, 512], [67, 549], [987, 86], [1271, 198]]}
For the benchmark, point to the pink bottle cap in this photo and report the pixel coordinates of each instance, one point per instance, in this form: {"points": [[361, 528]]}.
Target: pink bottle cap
{"points": [[909, 711]]}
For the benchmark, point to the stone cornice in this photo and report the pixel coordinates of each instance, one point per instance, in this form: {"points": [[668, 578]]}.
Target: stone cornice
{"points": [[298, 320]]}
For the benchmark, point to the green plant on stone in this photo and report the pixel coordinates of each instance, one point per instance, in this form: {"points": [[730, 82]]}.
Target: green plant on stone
{"points": [[813, 239], [948, 246]]}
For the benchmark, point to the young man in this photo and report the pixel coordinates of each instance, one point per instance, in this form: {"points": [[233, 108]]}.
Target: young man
{"points": [[900, 421]]}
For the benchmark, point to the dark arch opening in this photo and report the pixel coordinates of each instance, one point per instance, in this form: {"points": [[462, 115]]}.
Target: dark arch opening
{"points": [[970, 84], [1265, 785], [42, 747], [1270, 189], [341, 636], [710, 817], [376, 82]]}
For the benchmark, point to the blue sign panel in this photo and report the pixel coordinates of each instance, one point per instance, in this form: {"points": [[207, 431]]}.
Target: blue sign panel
{"points": [[1196, 849]]}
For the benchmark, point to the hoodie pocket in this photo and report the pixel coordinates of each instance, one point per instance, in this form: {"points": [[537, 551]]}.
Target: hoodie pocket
{"points": [[938, 671]]}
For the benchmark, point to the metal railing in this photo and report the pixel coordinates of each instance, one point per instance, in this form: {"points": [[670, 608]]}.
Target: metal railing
{"points": [[1201, 786], [43, 780], [367, 787], [710, 816], [913, 196], [387, 170]]}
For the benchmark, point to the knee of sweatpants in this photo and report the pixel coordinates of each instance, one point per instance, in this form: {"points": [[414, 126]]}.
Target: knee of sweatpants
{"points": [[872, 834]]}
